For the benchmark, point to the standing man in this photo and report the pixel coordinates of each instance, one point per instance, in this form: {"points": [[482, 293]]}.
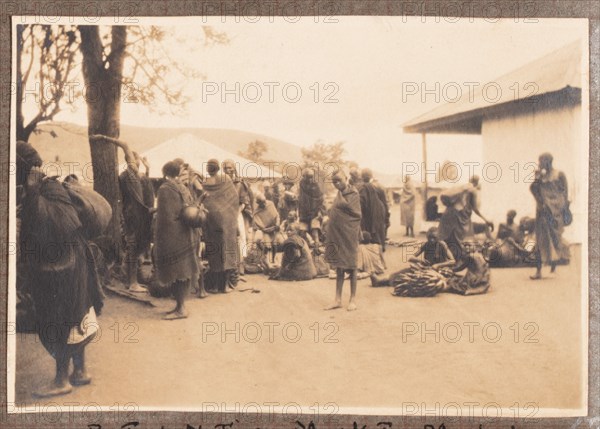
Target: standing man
{"points": [[407, 206], [245, 210], [343, 233], [220, 234], [266, 224], [176, 243], [375, 211], [355, 179], [138, 207], [311, 206], [288, 202], [552, 214]]}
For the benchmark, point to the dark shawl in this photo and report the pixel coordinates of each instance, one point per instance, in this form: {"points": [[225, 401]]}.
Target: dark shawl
{"points": [[220, 233], [287, 203], [477, 278], [297, 263], [374, 212], [62, 272], [310, 201], [246, 197], [267, 217], [436, 252], [175, 243], [138, 199], [27, 157], [551, 196], [343, 230], [455, 223]]}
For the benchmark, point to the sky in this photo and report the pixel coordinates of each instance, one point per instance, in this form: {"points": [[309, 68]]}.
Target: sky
{"points": [[351, 75]]}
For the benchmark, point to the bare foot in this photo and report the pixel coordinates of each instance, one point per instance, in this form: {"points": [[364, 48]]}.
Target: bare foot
{"points": [[54, 390], [176, 315], [171, 311], [536, 276], [334, 306], [80, 378], [202, 294], [137, 288], [351, 306]]}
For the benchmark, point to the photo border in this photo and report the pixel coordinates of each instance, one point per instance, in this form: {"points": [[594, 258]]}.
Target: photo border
{"points": [[173, 8]]}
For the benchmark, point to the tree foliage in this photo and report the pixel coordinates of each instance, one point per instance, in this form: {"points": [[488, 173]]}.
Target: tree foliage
{"points": [[49, 62], [255, 151], [327, 159], [323, 153], [46, 63], [118, 64]]}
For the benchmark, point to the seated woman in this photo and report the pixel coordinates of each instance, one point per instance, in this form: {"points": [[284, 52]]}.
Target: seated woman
{"points": [[513, 248], [297, 262], [429, 282], [509, 229], [370, 256], [436, 255], [476, 280]]}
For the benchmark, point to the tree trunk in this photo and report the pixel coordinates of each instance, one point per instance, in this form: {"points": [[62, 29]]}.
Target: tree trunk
{"points": [[103, 93], [21, 134]]}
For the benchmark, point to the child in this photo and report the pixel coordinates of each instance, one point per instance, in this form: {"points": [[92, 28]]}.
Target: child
{"points": [[436, 255]]}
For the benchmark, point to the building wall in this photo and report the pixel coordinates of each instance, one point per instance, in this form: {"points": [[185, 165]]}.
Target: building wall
{"points": [[514, 141]]}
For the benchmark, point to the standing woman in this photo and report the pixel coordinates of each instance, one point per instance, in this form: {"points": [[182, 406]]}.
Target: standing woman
{"points": [[175, 242], [407, 206], [220, 233], [343, 234], [552, 212], [63, 277]]}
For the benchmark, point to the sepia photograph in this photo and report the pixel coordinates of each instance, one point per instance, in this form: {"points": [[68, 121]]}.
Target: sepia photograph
{"points": [[300, 215]]}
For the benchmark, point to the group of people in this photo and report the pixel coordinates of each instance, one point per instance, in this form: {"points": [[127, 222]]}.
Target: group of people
{"points": [[450, 248], [205, 233], [208, 232]]}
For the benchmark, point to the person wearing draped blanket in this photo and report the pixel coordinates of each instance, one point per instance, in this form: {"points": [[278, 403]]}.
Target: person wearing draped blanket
{"points": [[63, 278], [342, 237], [375, 212], [288, 202], [455, 223], [245, 210], [311, 205], [138, 208], [407, 206], [266, 225], [220, 233], [550, 191], [175, 243], [297, 262]]}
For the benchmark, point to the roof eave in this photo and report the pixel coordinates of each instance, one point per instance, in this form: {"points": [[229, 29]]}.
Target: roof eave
{"points": [[469, 122]]}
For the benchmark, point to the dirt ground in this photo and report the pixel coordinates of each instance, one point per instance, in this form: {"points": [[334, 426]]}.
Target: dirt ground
{"points": [[519, 346]]}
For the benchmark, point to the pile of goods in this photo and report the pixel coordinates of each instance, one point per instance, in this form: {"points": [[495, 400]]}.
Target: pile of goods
{"points": [[420, 281]]}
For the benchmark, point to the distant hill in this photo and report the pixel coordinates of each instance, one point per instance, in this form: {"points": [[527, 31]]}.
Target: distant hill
{"points": [[71, 144]]}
